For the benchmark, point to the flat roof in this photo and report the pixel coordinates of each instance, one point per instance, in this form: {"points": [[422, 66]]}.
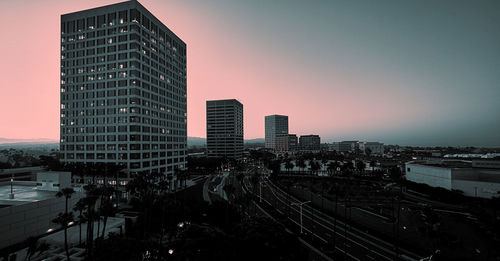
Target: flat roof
{"points": [[444, 164], [23, 194]]}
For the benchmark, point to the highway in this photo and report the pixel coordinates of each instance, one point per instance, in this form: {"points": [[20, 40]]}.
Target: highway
{"points": [[350, 242]]}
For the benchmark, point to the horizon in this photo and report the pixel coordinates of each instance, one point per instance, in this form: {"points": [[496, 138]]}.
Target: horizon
{"points": [[416, 74], [53, 141]]}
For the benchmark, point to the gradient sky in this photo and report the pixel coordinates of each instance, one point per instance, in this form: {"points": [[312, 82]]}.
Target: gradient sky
{"points": [[400, 72]]}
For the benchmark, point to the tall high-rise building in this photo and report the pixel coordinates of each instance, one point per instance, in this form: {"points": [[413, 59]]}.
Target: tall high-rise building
{"points": [[275, 125], [225, 129], [123, 89]]}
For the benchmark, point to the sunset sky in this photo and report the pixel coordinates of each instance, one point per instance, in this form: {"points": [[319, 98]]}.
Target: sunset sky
{"points": [[399, 72]]}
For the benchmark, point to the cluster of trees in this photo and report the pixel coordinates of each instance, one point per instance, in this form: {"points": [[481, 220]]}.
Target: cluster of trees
{"points": [[174, 227], [97, 205]]}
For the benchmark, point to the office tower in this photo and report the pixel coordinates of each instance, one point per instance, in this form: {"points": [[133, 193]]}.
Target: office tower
{"points": [[275, 125], [309, 142], [286, 142], [123, 89], [225, 129]]}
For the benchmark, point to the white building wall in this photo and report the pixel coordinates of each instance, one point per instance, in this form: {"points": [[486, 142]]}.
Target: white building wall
{"points": [[18, 222], [477, 188], [432, 176]]}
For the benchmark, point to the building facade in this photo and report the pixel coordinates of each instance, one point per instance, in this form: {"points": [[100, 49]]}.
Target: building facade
{"points": [[275, 125], [286, 142], [123, 89], [463, 176], [348, 146], [310, 142], [225, 129], [373, 148]]}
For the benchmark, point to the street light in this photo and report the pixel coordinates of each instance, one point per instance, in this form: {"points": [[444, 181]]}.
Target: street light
{"points": [[300, 205], [11, 195]]}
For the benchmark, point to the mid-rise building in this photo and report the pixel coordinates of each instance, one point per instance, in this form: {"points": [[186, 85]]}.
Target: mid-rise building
{"points": [[275, 125], [372, 148], [309, 142], [225, 129], [286, 142], [123, 89], [348, 146]]}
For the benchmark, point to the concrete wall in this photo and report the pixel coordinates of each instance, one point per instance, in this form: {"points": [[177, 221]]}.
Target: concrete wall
{"points": [[18, 222], [53, 180], [477, 188], [432, 176]]}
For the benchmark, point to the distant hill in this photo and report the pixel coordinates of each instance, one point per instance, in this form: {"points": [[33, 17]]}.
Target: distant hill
{"points": [[202, 142], [258, 140], [196, 142], [27, 141]]}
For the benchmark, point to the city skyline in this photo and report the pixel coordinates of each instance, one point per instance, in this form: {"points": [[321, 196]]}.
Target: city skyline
{"points": [[410, 74]]}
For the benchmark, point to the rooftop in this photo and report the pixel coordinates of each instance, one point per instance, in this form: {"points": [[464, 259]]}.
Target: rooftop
{"points": [[23, 194]]}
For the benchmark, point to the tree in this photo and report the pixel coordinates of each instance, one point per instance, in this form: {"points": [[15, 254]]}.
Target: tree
{"points": [[106, 208], [332, 166], [289, 165], [90, 199], [80, 207], [360, 166], [314, 166], [301, 164], [66, 218]]}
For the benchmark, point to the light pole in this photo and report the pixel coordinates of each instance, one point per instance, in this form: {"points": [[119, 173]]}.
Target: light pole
{"points": [[300, 206], [11, 195]]}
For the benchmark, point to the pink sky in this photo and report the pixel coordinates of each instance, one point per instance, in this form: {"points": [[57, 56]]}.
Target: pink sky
{"points": [[225, 60]]}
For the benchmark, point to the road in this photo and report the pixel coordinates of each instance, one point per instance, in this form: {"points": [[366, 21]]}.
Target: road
{"points": [[350, 242]]}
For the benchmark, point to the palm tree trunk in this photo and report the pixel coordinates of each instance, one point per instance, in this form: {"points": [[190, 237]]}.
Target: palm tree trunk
{"points": [[104, 225], [80, 224], [335, 220], [66, 243]]}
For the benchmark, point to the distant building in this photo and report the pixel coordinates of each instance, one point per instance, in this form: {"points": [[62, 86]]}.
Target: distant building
{"points": [[474, 179], [275, 125], [286, 142], [334, 146], [348, 146], [122, 89], [310, 142], [225, 129], [375, 148]]}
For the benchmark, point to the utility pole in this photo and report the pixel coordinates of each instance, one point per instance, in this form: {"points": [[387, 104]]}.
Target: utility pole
{"points": [[300, 206]]}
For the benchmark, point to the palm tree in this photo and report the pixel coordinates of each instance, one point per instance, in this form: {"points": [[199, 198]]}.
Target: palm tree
{"points": [[289, 165], [80, 207], [314, 166], [66, 193], [92, 194], [64, 219], [301, 164], [106, 208]]}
